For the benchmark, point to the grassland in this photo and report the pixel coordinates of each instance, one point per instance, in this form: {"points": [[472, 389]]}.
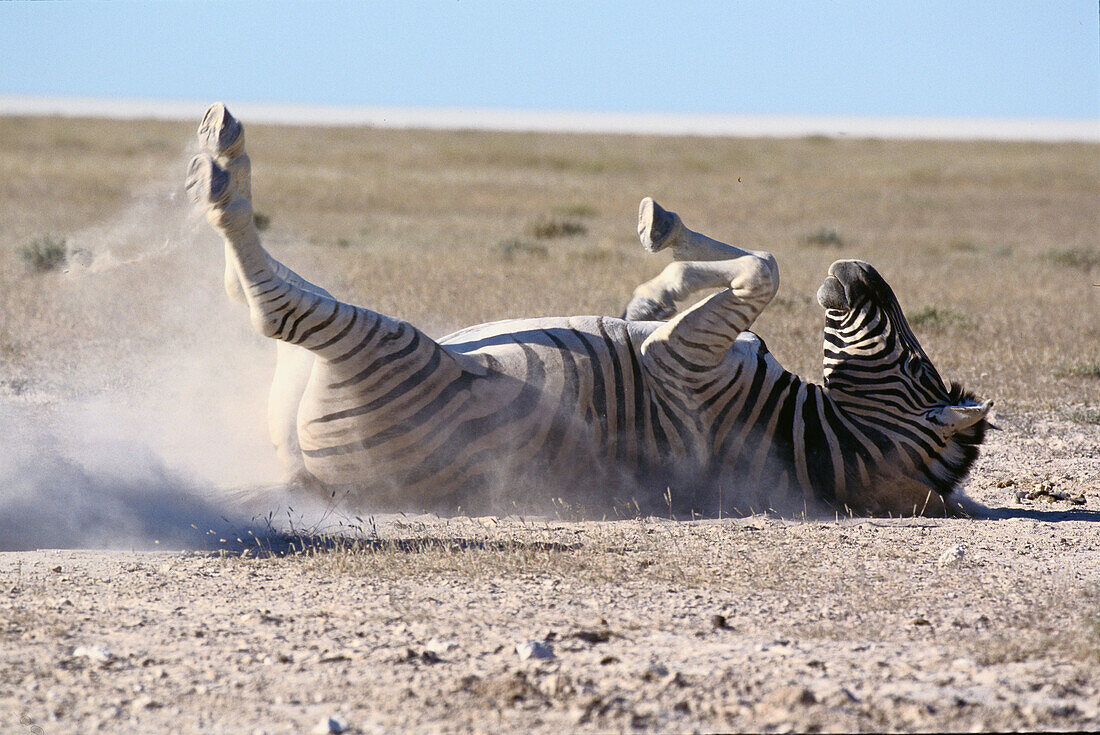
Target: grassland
{"points": [[732, 624], [994, 243]]}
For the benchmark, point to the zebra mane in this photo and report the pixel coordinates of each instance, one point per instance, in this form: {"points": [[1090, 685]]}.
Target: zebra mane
{"points": [[947, 469]]}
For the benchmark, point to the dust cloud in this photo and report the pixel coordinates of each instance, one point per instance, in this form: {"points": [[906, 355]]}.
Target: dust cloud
{"points": [[140, 419]]}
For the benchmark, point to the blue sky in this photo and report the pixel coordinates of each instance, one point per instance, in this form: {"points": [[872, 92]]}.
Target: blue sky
{"points": [[922, 58]]}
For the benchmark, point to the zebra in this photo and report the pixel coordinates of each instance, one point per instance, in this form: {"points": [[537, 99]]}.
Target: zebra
{"points": [[684, 408]]}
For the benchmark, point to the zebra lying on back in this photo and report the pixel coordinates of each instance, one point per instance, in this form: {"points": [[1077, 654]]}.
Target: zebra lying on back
{"points": [[690, 412]]}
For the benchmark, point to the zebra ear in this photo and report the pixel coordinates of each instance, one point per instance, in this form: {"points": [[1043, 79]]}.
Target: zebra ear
{"points": [[953, 419]]}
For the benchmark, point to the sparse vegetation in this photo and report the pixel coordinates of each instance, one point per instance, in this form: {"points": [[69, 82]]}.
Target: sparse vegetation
{"points": [[44, 254], [509, 249], [351, 612], [1083, 259], [576, 210], [1085, 416], [823, 237], [262, 221], [551, 226], [595, 254], [963, 245], [935, 318], [1078, 370]]}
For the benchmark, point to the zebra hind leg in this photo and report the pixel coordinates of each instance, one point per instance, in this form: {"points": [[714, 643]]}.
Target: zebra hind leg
{"points": [[221, 136]]}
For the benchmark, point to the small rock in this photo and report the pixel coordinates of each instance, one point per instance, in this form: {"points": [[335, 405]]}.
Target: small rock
{"points": [[718, 622], [554, 685], [439, 647], [655, 671], [93, 653], [534, 649], [793, 696], [331, 724], [592, 635], [951, 556]]}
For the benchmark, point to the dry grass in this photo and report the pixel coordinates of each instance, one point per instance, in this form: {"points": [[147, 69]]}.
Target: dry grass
{"points": [[44, 254], [866, 583], [406, 221]]}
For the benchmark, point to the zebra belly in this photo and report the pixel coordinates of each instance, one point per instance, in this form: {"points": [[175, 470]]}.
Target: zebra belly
{"points": [[535, 418]]}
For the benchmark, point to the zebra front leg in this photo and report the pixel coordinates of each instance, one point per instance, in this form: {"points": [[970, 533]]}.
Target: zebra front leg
{"points": [[221, 136]]}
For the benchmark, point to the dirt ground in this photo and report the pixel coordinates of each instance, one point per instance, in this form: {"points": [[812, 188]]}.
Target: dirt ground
{"points": [[649, 625], [131, 390]]}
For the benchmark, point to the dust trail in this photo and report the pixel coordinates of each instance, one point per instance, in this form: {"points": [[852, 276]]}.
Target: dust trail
{"points": [[142, 399]]}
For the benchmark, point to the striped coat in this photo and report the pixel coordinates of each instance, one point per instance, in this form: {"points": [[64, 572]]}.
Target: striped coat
{"points": [[688, 415]]}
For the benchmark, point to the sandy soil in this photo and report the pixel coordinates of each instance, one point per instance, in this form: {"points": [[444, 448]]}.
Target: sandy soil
{"points": [[734, 624]]}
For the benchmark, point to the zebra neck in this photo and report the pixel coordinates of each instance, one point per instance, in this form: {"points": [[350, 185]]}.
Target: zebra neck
{"points": [[880, 458]]}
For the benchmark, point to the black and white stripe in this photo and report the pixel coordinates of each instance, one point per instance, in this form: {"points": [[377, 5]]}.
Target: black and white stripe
{"points": [[694, 411]]}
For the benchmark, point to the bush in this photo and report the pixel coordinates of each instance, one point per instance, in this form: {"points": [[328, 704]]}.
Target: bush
{"points": [[509, 249], [1083, 259], [576, 210], [823, 237], [44, 254], [555, 226], [935, 318]]}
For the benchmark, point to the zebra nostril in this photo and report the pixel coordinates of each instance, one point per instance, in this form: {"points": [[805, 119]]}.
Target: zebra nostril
{"points": [[831, 294]]}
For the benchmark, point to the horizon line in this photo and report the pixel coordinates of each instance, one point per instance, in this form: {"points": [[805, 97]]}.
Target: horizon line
{"points": [[563, 121]]}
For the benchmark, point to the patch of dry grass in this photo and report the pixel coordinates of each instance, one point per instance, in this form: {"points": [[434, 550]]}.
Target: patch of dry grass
{"points": [[865, 583], [936, 319], [44, 254], [1084, 259], [552, 226]]}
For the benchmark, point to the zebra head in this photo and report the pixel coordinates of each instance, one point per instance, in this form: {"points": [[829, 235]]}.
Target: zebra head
{"points": [[876, 369]]}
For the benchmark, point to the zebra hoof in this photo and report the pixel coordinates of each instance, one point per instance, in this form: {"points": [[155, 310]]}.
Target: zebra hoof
{"points": [[655, 225], [220, 134], [207, 184]]}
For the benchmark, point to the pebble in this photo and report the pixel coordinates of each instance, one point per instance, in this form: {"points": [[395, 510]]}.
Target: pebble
{"points": [[951, 556], [331, 724], [534, 649], [440, 648], [93, 653], [554, 685], [793, 696]]}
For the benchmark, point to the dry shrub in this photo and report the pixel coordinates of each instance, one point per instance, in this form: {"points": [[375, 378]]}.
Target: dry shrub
{"points": [[1084, 259], [44, 254], [936, 318], [549, 226], [509, 249], [823, 237]]}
